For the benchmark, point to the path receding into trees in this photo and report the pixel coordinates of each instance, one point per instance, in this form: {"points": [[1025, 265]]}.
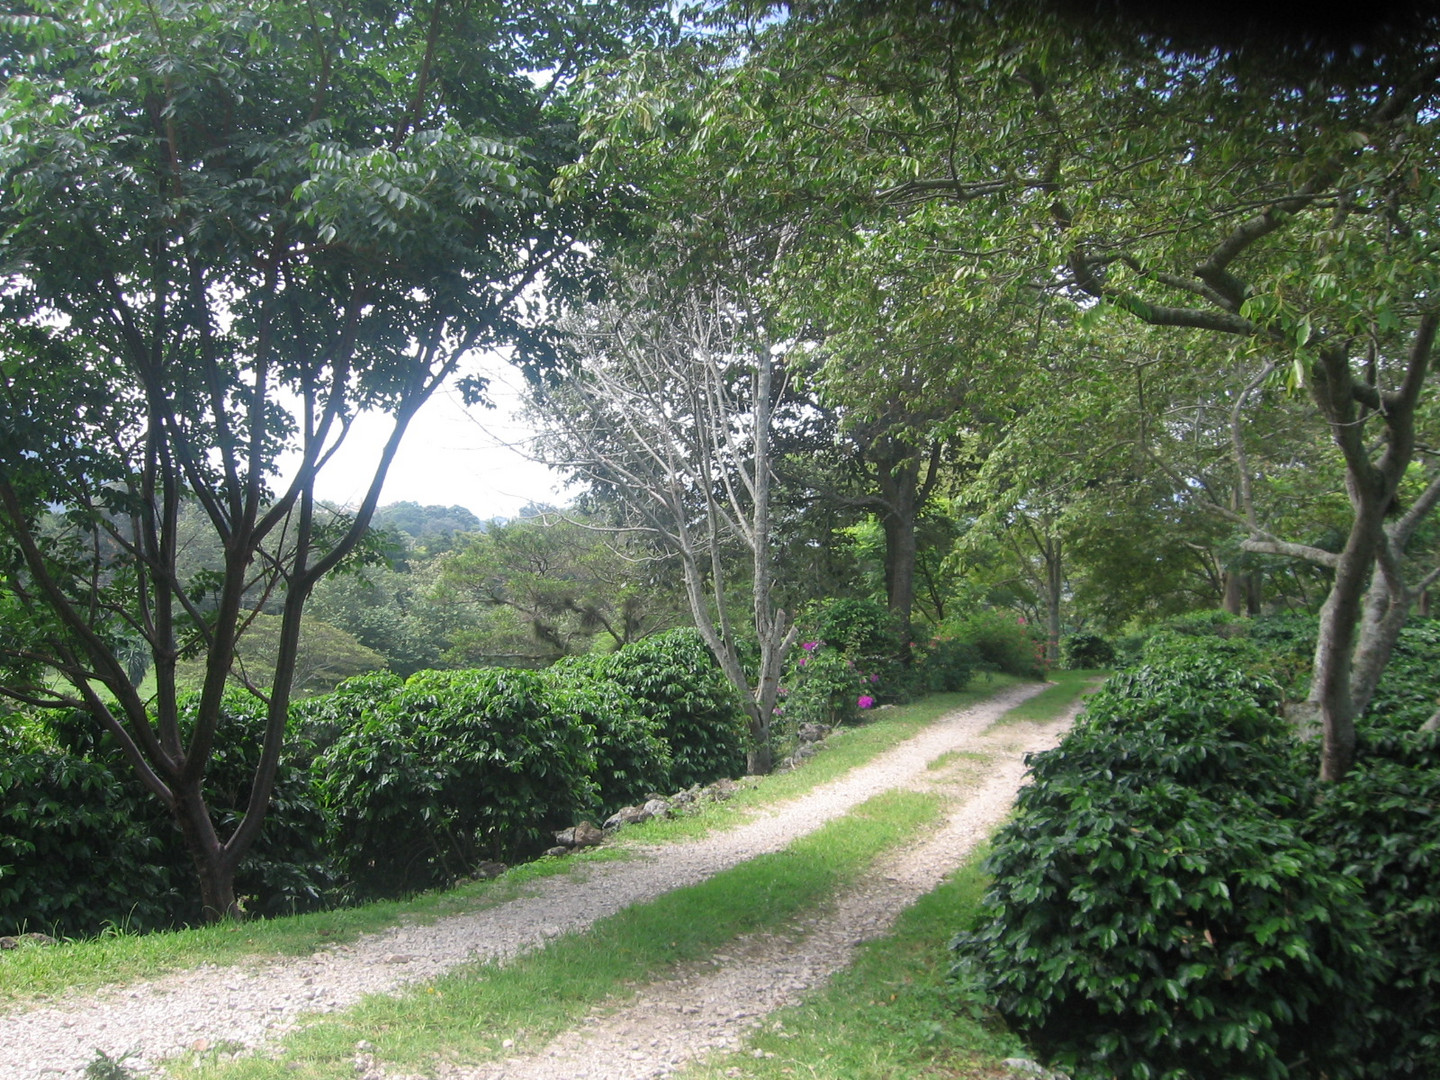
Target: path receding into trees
{"points": [[685, 1014]]}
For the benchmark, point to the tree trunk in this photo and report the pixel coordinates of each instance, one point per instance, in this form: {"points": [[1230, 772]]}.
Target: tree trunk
{"points": [[1254, 594], [1054, 585], [758, 759], [1234, 593], [900, 555], [214, 866]]}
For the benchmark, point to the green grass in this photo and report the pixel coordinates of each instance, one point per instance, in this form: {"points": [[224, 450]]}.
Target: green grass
{"points": [[844, 750], [1053, 702], [892, 1015], [468, 1013], [32, 974]]}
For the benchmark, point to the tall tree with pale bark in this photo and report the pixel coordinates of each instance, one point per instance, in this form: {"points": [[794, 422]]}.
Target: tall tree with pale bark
{"points": [[669, 415]]}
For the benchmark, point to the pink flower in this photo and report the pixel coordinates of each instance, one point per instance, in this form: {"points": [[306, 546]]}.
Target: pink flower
{"points": [[1022, 620], [804, 660], [865, 701], [810, 646], [874, 678]]}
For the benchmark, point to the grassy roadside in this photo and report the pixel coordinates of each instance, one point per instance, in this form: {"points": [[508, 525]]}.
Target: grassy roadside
{"points": [[470, 1012], [891, 1015], [1068, 687], [31, 974]]}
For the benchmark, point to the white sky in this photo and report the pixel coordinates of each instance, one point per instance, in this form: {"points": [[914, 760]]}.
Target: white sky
{"points": [[450, 456]]}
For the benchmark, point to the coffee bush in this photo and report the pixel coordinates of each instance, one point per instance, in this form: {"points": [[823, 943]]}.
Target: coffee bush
{"points": [[1157, 911], [678, 684], [1382, 823], [1086, 651], [632, 758], [76, 852], [458, 768]]}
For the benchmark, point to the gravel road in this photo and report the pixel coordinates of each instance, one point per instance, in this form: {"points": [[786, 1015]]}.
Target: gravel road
{"points": [[674, 1020]]}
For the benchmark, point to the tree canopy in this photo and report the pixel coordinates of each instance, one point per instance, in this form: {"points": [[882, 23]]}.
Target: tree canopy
{"points": [[224, 229]]}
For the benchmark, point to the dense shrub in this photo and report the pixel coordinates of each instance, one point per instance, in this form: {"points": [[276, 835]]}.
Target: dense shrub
{"points": [[1210, 624], [1383, 823], [1157, 911], [858, 628], [1086, 651], [1406, 696], [1001, 640], [946, 665], [632, 758], [76, 850], [1238, 654], [461, 766], [320, 720], [867, 634], [822, 685], [679, 685]]}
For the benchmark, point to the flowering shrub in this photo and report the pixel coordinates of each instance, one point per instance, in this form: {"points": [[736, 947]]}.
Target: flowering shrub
{"points": [[822, 686], [866, 633]]}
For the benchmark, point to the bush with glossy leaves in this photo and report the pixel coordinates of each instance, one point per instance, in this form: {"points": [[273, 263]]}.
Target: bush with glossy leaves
{"points": [[1158, 910], [458, 768], [632, 758], [679, 685]]}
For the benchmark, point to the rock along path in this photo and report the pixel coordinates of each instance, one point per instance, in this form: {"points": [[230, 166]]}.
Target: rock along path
{"points": [[674, 1020]]}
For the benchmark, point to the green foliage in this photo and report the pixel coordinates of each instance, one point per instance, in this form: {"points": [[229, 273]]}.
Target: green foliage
{"points": [[822, 685], [327, 655], [457, 768], [867, 633], [1383, 824], [858, 628], [947, 665], [632, 758], [431, 530], [104, 1067], [1086, 651], [76, 849], [324, 718], [1001, 640], [1158, 911], [1408, 693], [678, 684], [568, 585]]}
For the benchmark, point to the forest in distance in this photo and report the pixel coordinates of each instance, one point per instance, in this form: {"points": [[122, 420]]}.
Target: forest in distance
{"points": [[879, 345]]}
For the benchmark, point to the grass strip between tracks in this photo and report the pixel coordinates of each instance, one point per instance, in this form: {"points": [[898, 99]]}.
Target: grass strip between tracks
{"points": [[469, 1013], [893, 1014]]}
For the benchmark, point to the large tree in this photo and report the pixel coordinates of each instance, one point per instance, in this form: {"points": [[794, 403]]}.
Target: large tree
{"points": [[670, 416], [1277, 201], [224, 229]]}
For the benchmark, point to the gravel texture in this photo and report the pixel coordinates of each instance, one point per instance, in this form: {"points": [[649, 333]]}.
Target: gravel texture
{"points": [[671, 1022]]}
